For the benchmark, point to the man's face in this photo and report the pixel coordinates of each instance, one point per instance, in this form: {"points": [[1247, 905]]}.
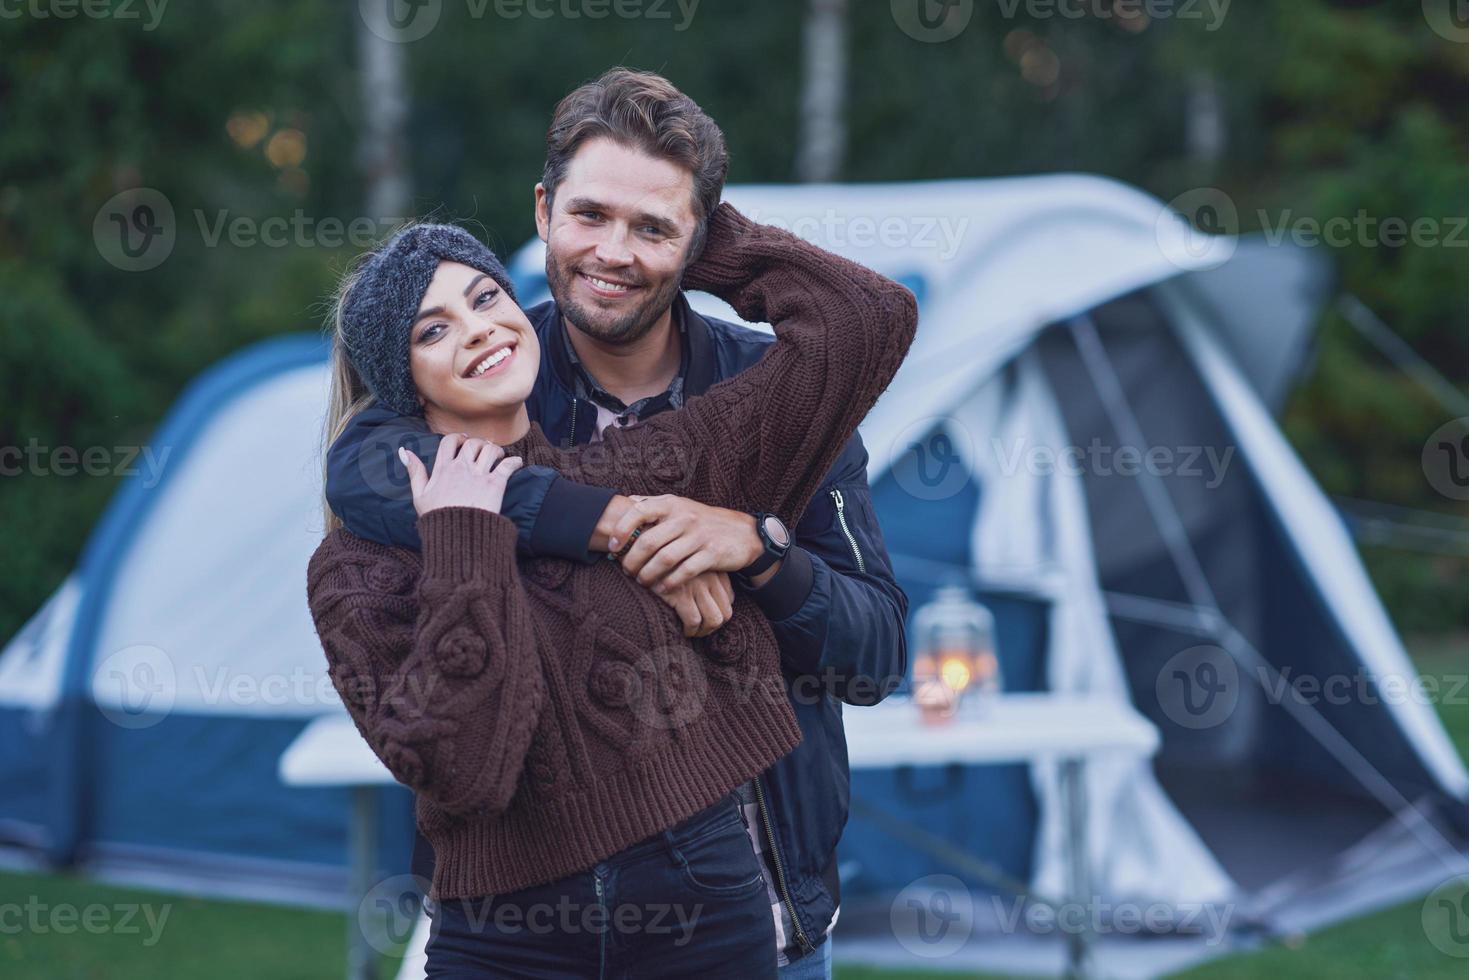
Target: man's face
{"points": [[617, 238]]}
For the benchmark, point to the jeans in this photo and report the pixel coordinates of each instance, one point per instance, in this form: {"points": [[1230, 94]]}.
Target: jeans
{"points": [[815, 965], [689, 902]]}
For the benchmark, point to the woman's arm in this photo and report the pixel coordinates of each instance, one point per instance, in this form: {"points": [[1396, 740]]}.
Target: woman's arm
{"points": [[436, 662], [764, 439]]}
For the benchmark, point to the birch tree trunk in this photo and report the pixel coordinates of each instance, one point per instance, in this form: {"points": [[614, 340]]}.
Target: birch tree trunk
{"points": [[382, 151], [822, 137]]}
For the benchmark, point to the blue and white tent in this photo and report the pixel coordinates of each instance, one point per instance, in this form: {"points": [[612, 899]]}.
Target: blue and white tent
{"points": [[143, 711]]}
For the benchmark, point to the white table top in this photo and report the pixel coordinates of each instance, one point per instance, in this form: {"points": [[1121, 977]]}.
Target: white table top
{"points": [[1014, 728], [1011, 728], [331, 752]]}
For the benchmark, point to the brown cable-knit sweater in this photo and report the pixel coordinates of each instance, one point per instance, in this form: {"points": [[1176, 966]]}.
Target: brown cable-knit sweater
{"points": [[551, 714]]}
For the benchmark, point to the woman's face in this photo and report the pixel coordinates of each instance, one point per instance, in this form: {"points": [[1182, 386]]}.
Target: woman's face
{"points": [[473, 353]]}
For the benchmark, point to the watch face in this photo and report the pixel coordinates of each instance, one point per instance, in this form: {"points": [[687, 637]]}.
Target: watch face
{"points": [[776, 531]]}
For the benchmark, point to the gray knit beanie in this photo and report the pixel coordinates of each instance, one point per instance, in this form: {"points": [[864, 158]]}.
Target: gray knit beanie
{"points": [[383, 303]]}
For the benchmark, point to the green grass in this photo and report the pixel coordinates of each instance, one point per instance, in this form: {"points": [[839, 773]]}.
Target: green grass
{"points": [[1390, 945], [188, 937]]}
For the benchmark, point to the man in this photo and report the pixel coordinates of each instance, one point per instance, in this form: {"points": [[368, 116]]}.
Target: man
{"points": [[633, 169]]}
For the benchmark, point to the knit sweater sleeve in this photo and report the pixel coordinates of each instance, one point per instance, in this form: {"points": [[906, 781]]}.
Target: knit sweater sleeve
{"points": [[436, 661], [764, 439]]}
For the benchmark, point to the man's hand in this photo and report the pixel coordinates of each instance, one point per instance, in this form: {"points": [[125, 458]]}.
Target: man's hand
{"points": [[682, 539], [704, 604]]}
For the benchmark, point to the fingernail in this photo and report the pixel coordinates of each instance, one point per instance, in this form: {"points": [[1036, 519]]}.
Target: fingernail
{"points": [[402, 455], [611, 544]]}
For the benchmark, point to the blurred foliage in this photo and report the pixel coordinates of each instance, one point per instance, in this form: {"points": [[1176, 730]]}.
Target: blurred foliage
{"points": [[1330, 109]]}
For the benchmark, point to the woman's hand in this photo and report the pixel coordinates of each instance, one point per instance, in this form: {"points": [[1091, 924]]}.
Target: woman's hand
{"points": [[682, 539], [465, 475], [704, 603]]}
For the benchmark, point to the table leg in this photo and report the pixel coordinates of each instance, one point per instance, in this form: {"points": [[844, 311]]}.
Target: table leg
{"points": [[1078, 862], [362, 853]]}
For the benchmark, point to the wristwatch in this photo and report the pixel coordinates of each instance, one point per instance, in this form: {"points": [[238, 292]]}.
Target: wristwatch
{"points": [[777, 541]]}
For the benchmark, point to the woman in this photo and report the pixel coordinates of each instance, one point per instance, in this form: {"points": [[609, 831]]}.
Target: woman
{"points": [[562, 734]]}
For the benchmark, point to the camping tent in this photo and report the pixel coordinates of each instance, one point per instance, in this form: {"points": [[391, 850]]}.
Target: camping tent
{"points": [[1068, 323]]}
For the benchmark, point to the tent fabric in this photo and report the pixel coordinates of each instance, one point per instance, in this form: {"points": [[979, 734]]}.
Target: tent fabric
{"points": [[1322, 544], [1261, 306]]}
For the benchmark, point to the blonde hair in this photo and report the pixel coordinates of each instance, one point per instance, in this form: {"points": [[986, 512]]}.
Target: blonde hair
{"points": [[348, 394]]}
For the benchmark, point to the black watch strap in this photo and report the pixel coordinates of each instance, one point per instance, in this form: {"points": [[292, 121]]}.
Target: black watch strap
{"points": [[775, 549]]}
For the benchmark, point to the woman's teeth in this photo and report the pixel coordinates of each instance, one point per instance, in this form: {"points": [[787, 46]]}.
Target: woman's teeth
{"points": [[490, 362]]}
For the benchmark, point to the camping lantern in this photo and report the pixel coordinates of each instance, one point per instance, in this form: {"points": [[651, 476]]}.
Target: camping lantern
{"points": [[955, 643]]}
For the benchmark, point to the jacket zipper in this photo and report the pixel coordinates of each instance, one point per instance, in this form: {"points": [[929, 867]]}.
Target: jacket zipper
{"points": [[836, 495], [780, 873], [571, 439]]}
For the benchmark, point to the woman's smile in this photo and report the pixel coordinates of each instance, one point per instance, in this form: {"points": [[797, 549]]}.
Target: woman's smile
{"points": [[492, 361]]}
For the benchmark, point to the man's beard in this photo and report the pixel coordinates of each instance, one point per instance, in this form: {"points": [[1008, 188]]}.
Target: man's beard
{"points": [[629, 327]]}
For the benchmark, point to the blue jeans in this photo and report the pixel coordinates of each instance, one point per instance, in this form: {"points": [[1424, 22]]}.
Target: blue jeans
{"points": [[689, 902], [815, 965]]}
